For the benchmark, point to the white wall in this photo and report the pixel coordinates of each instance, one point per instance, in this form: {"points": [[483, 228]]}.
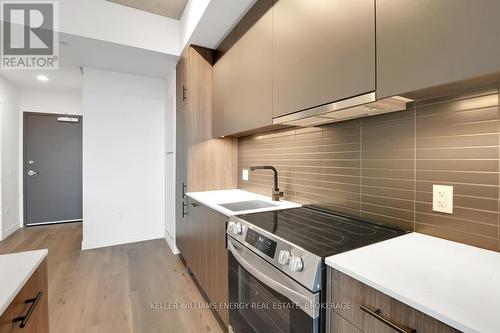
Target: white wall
{"points": [[9, 118], [45, 102], [123, 158]]}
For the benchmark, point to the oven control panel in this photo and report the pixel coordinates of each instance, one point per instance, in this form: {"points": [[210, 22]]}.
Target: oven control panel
{"points": [[261, 243], [294, 261]]}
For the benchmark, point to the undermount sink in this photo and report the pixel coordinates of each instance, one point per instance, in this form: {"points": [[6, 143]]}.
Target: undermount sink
{"points": [[247, 205]]}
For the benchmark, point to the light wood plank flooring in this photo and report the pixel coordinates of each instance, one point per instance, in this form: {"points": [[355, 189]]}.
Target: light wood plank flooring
{"points": [[112, 289]]}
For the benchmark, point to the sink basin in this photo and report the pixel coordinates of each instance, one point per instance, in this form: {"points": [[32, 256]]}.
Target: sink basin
{"points": [[247, 205]]}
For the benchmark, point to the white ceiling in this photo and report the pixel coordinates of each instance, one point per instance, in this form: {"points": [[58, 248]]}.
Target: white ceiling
{"points": [[76, 52], [168, 8], [200, 25]]}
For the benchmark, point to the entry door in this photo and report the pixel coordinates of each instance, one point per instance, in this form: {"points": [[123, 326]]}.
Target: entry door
{"points": [[52, 168]]}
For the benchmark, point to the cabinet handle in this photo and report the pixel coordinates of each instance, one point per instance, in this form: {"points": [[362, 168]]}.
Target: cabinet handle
{"points": [[34, 302], [184, 93], [184, 189], [184, 205], [377, 314], [194, 204]]}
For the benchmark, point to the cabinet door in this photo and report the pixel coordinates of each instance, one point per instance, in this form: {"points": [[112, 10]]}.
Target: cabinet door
{"points": [[372, 310], [181, 82], [199, 65], [337, 324], [324, 51], [198, 240], [217, 260], [426, 43], [38, 322], [181, 226], [243, 75]]}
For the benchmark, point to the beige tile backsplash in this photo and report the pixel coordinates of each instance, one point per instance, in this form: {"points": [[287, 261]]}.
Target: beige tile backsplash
{"points": [[382, 168]]}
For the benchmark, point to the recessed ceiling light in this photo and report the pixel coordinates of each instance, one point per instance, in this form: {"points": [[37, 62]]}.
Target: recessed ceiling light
{"points": [[42, 78]]}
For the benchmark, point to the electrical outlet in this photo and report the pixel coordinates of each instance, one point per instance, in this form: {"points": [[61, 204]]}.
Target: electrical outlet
{"points": [[442, 199], [244, 175]]}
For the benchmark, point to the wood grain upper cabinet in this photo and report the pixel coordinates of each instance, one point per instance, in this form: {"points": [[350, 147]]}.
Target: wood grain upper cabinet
{"points": [[324, 50], [426, 43], [199, 94], [181, 82], [243, 75]]}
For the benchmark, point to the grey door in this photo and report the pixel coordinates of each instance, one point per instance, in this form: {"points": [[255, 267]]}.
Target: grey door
{"points": [[52, 169]]}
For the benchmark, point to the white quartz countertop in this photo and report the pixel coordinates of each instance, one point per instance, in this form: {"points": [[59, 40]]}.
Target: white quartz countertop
{"points": [[455, 283], [15, 271], [213, 199]]}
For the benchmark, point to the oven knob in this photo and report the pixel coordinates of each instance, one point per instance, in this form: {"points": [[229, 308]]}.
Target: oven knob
{"points": [[237, 229], [296, 264], [284, 257]]}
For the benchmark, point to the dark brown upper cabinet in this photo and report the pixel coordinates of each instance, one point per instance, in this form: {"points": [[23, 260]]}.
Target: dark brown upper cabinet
{"points": [[324, 51], [242, 76], [427, 43]]}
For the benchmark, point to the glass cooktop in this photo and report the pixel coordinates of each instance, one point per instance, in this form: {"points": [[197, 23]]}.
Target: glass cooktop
{"points": [[321, 232]]}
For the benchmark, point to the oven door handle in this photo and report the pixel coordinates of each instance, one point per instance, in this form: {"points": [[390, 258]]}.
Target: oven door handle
{"points": [[299, 296]]}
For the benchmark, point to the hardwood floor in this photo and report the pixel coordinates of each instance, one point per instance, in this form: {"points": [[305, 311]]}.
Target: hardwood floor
{"points": [[112, 289]]}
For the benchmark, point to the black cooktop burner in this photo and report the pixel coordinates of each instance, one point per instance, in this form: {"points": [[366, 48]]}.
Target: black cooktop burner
{"points": [[319, 232]]}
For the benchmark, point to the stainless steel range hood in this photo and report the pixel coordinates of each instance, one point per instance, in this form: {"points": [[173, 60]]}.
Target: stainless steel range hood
{"points": [[355, 107]]}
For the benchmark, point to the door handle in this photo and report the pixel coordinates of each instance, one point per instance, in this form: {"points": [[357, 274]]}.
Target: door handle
{"points": [[32, 173]]}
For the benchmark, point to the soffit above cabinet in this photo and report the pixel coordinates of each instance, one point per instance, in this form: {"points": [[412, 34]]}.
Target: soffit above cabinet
{"points": [[167, 8]]}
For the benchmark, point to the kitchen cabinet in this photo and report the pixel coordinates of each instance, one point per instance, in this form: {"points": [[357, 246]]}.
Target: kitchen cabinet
{"points": [[208, 257], [323, 51], [426, 43], [31, 302], [217, 260], [369, 310], [181, 82], [197, 261], [181, 182], [202, 162], [199, 94], [243, 74]]}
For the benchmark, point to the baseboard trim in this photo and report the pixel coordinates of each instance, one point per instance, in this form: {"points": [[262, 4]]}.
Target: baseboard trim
{"points": [[171, 243], [9, 231], [96, 243]]}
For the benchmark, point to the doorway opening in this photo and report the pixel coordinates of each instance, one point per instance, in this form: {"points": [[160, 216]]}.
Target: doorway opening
{"points": [[52, 168]]}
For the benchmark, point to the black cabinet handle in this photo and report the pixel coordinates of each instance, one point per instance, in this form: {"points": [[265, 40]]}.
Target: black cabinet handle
{"points": [[377, 314], [184, 189], [194, 204], [34, 302], [184, 206]]}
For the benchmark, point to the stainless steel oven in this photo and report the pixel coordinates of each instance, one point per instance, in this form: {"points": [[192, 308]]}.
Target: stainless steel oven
{"points": [[264, 299], [277, 269]]}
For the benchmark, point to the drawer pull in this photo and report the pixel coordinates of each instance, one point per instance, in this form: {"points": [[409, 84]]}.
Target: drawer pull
{"points": [[34, 302], [377, 314]]}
